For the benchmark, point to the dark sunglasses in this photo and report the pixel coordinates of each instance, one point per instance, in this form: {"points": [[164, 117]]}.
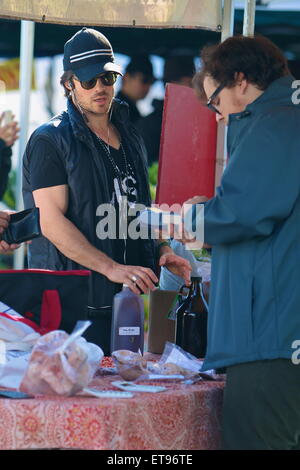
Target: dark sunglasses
{"points": [[107, 79], [212, 97]]}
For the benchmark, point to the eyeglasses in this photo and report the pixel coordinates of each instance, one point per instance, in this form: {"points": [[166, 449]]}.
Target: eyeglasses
{"points": [[209, 103], [107, 79]]}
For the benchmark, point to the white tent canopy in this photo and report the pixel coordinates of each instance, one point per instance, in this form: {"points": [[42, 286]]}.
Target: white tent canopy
{"points": [[145, 13]]}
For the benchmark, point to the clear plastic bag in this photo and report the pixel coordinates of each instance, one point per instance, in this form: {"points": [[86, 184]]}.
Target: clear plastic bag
{"points": [[61, 364], [174, 364], [176, 361], [129, 365]]}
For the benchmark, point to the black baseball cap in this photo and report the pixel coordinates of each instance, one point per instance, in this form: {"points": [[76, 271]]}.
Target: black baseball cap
{"points": [[89, 53]]}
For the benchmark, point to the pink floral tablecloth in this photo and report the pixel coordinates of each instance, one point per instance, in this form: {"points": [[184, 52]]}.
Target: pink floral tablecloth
{"points": [[185, 417]]}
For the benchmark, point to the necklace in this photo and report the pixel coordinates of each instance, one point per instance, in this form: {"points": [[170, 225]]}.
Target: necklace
{"points": [[106, 147], [114, 165], [119, 177]]}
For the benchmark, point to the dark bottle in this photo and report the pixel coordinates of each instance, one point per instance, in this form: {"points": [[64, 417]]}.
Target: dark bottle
{"points": [[127, 330], [194, 320]]}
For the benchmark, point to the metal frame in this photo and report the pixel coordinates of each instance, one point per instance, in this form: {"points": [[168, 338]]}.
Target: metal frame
{"points": [[221, 153], [26, 63], [249, 17]]}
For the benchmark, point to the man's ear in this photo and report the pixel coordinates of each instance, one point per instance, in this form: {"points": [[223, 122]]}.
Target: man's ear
{"points": [[241, 81], [69, 84]]}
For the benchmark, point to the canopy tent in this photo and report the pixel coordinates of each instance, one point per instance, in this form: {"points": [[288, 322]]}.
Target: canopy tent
{"points": [[282, 27], [214, 15], [50, 39], [138, 13]]}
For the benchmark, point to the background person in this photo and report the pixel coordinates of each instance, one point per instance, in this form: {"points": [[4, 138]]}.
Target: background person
{"points": [[253, 224], [8, 136], [136, 83]]}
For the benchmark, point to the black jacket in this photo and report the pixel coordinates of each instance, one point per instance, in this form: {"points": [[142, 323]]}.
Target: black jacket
{"points": [[88, 188]]}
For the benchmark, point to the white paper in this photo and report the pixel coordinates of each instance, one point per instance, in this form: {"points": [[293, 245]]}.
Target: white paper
{"points": [[129, 331]]}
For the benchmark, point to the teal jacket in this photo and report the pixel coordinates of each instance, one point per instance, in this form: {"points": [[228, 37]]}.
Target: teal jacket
{"points": [[253, 224]]}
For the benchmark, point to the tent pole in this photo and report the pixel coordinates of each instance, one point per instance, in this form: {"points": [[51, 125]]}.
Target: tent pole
{"points": [[249, 18], [228, 19], [221, 154], [26, 62]]}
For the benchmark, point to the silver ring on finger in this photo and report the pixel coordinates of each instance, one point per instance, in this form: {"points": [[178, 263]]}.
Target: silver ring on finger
{"points": [[134, 279]]}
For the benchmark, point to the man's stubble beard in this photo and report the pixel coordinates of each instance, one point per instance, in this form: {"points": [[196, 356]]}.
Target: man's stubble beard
{"points": [[86, 109]]}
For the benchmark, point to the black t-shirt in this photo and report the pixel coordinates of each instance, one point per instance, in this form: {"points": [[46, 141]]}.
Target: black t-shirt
{"points": [[47, 169], [125, 177]]}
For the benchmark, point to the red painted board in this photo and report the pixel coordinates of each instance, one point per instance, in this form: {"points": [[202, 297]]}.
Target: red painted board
{"points": [[187, 158]]}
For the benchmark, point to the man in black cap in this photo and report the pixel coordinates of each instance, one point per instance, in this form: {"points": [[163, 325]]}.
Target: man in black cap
{"points": [[79, 165], [136, 84]]}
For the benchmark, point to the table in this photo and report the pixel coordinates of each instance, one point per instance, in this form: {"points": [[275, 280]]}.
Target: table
{"points": [[185, 417]]}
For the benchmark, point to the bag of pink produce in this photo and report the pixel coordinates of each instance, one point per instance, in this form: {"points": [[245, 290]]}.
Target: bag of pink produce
{"points": [[61, 364]]}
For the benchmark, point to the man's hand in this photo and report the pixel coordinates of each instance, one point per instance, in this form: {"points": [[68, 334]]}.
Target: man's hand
{"points": [[177, 265], [9, 132], [133, 276], [4, 222], [6, 248]]}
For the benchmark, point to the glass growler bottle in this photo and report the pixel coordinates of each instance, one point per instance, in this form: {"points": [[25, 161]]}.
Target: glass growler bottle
{"points": [[194, 320]]}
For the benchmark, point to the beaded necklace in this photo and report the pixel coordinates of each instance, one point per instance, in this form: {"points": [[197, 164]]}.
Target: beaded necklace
{"points": [[119, 177]]}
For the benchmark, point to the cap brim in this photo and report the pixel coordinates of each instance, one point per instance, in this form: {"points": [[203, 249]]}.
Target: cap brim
{"points": [[90, 71]]}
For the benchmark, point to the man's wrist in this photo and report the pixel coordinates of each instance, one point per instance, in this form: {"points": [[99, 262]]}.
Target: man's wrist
{"points": [[107, 266], [164, 248], [163, 243]]}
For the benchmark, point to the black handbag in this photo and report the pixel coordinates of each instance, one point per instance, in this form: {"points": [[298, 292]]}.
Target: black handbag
{"points": [[23, 226]]}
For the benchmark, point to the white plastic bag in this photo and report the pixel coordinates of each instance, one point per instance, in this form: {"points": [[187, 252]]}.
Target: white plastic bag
{"points": [[17, 337], [16, 332]]}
